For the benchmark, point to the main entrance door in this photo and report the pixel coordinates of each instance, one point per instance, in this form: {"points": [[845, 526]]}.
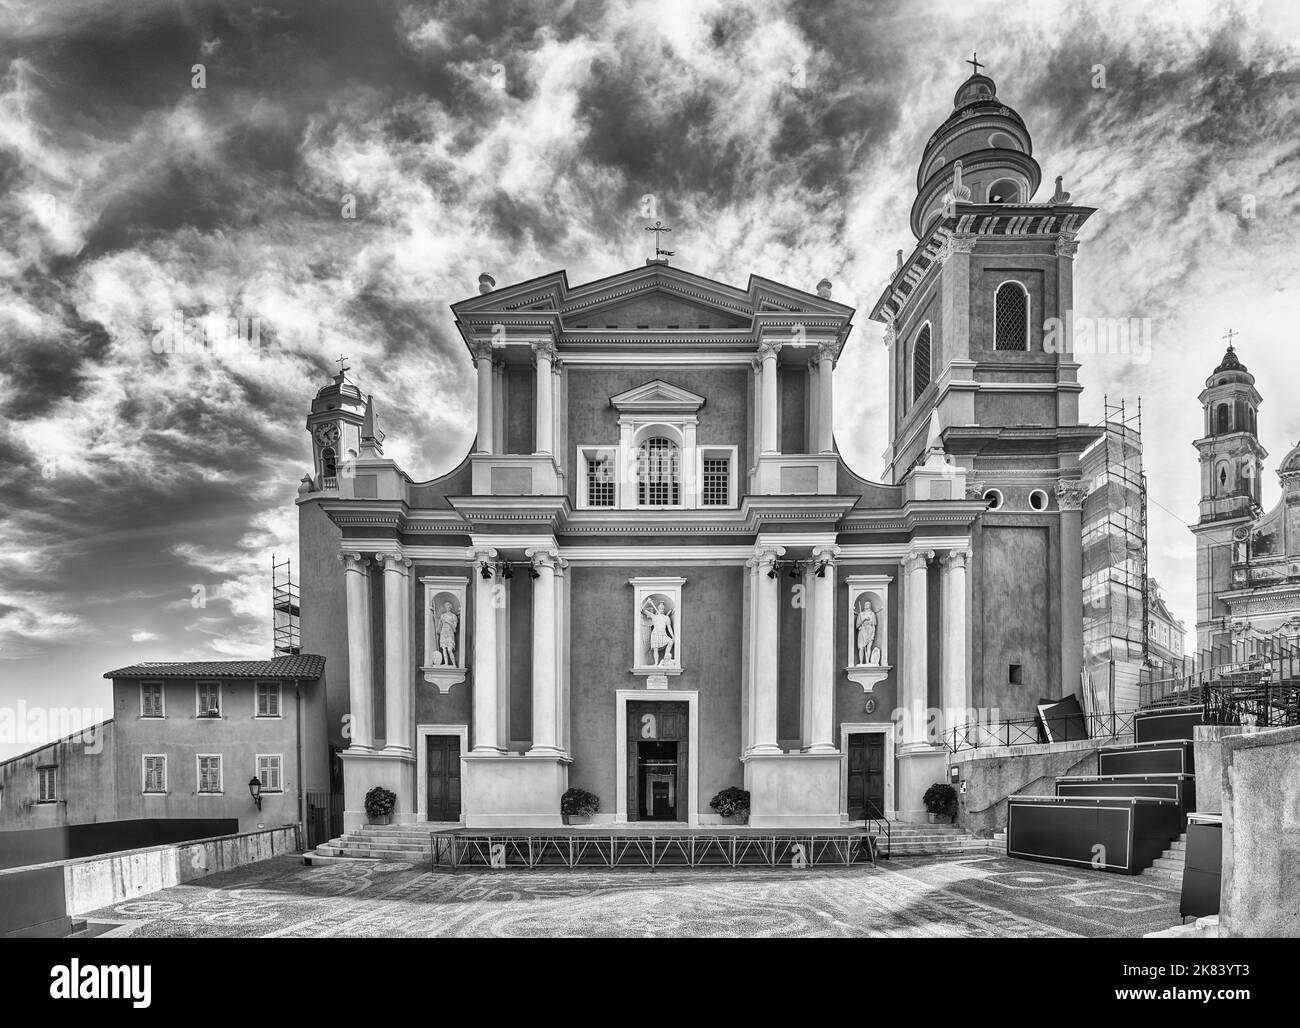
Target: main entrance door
{"points": [[866, 775], [442, 777], [658, 736]]}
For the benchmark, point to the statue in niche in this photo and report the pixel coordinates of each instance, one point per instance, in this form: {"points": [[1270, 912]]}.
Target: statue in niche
{"points": [[661, 631], [867, 621], [447, 623]]}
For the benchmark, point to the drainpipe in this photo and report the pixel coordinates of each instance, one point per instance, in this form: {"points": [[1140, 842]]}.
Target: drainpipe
{"points": [[297, 708]]}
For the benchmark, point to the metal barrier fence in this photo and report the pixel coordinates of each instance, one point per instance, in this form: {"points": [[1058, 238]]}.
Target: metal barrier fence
{"points": [[1027, 731]]}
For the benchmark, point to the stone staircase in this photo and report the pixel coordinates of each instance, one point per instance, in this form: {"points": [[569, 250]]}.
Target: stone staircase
{"points": [[1169, 866], [412, 844]]}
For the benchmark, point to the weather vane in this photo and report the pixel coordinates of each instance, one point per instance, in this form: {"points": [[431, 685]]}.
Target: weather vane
{"points": [[974, 62], [657, 228]]}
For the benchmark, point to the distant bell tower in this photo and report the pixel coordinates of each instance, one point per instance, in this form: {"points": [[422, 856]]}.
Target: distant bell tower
{"points": [[1231, 458], [337, 424], [978, 324]]}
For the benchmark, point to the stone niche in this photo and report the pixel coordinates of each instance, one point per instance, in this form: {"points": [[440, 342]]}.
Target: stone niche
{"points": [[868, 630], [444, 631], [657, 629]]}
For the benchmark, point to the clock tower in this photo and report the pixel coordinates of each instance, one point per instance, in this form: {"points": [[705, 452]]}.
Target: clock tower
{"points": [[337, 424]]}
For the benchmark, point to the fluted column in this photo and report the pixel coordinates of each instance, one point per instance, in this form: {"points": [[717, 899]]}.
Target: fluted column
{"points": [[767, 352], [398, 730], [767, 651], [822, 700], [486, 715], [952, 651], [543, 420], [825, 399], [482, 350], [546, 686], [361, 695], [915, 672]]}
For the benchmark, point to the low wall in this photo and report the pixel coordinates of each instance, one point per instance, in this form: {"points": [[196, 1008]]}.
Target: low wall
{"points": [[992, 774], [25, 847], [95, 882], [1207, 756], [32, 903], [1261, 835]]}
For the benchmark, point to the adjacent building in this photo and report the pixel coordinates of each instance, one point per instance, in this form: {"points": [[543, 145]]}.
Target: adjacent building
{"points": [[1166, 635], [60, 783], [653, 576]]}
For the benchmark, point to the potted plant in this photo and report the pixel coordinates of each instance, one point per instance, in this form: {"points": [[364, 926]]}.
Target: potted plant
{"points": [[940, 801], [379, 805], [577, 806], [733, 804]]}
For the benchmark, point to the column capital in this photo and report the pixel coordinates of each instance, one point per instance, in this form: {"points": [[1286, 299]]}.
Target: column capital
{"points": [[1066, 244], [765, 556], [543, 349], [354, 561], [543, 556], [825, 353], [956, 558], [480, 554], [891, 333], [916, 559], [769, 348], [393, 562], [955, 242], [481, 349], [825, 553], [1069, 494]]}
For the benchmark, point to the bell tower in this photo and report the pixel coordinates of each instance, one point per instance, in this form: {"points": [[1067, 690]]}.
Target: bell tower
{"points": [[1231, 459], [977, 359], [336, 423]]}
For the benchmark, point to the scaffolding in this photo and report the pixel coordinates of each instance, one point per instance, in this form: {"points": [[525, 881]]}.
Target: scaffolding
{"points": [[1115, 582], [285, 613]]}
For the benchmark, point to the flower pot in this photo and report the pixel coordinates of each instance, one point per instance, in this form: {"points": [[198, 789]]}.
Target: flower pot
{"points": [[381, 819], [577, 819], [935, 819], [739, 818]]}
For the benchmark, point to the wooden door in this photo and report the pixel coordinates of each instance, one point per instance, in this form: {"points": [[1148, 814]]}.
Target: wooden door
{"points": [[866, 776], [442, 777]]}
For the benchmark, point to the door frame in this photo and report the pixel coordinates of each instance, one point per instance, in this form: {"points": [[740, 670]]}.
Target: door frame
{"points": [[691, 698], [886, 729], [422, 732]]}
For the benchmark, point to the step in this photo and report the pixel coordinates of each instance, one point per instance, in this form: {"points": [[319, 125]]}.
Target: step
{"points": [[316, 858], [1169, 864], [1164, 872]]}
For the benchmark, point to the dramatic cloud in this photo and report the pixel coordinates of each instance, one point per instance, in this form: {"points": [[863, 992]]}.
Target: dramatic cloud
{"points": [[146, 490]]}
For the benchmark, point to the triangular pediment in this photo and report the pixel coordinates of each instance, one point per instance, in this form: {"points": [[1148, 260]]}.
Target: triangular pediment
{"points": [[657, 397]]}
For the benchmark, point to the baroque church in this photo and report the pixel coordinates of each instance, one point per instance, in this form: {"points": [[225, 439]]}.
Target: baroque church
{"points": [[1247, 560], [654, 577]]}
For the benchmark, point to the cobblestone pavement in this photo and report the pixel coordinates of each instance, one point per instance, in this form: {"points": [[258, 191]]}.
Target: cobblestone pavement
{"points": [[974, 896]]}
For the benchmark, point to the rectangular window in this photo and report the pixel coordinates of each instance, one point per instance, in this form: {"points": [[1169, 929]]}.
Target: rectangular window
{"points": [[209, 699], [210, 774], [268, 699], [151, 699], [155, 773], [717, 482], [600, 479], [268, 772], [46, 784]]}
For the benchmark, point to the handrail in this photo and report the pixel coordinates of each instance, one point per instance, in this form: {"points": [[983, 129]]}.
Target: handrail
{"points": [[877, 822], [1027, 731]]}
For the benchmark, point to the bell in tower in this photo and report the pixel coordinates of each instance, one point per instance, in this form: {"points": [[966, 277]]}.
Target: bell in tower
{"points": [[337, 424]]}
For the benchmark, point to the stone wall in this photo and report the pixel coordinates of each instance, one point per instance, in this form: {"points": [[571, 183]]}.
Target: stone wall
{"points": [[1261, 835]]}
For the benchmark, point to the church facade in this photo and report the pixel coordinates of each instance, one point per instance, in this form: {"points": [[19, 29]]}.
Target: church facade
{"points": [[654, 576]]}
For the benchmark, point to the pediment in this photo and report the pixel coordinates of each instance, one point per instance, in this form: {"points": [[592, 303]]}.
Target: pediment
{"points": [[657, 397], [654, 308]]}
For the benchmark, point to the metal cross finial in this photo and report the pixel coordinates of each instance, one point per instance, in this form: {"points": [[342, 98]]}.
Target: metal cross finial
{"points": [[1231, 333], [974, 61], [657, 228], [339, 361]]}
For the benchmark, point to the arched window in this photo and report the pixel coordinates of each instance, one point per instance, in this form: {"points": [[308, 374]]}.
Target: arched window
{"points": [[1004, 190], [659, 473], [329, 462], [1011, 317], [921, 362], [1222, 420]]}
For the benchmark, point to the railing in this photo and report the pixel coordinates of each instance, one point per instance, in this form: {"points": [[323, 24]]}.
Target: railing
{"points": [[1265, 705], [1031, 731], [882, 829]]}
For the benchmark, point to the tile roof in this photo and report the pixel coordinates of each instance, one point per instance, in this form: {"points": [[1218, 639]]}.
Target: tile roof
{"points": [[301, 665]]}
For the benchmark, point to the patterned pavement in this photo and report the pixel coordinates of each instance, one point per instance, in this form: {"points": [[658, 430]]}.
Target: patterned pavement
{"points": [[970, 896]]}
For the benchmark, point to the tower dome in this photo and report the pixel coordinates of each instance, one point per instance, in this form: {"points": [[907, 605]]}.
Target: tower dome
{"points": [[994, 149]]}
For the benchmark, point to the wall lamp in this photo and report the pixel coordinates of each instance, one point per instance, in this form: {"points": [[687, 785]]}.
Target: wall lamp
{"points": [[255, 790]]}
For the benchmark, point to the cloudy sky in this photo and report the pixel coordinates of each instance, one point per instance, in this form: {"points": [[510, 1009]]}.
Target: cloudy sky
{"points": [[144, 492]]}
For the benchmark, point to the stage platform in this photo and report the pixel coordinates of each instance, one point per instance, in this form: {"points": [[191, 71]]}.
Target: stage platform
{"points": [[652, 847]]}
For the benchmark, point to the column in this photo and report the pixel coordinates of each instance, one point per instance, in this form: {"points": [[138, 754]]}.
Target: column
{"points": [[399, 730], [767, 651], [485, 653], [482, 350], [543, 419], [767, 354], [915, 672], [825, 400], [546, 686], [822, 699], [952, 652], [360, 666]]}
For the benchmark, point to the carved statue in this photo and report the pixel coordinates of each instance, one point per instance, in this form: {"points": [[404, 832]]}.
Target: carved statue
{"points": [[448, 622], [866, 626], [661, 631]]}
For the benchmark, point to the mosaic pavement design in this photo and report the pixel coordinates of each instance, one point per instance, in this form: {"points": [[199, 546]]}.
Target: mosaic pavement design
{"points": [[966, 896]]}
